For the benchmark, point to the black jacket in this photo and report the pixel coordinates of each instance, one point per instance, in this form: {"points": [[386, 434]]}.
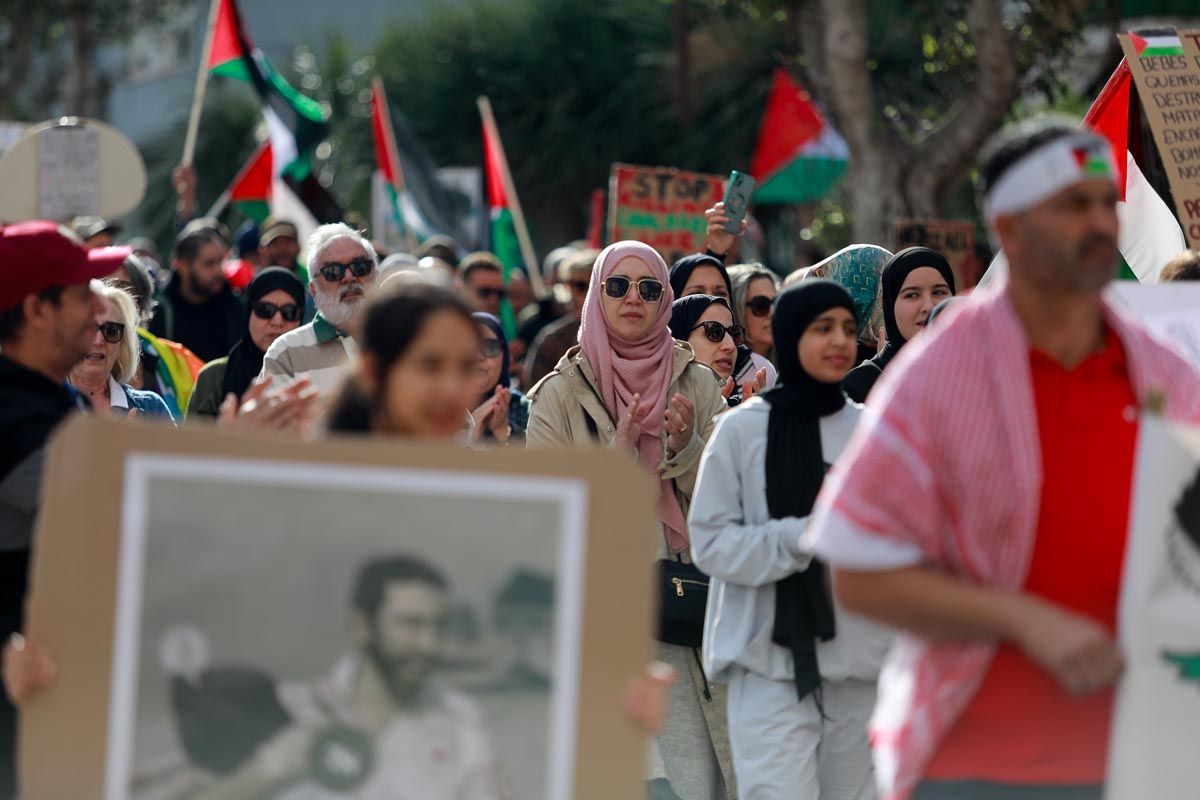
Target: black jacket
{"points": [[209, 330]]}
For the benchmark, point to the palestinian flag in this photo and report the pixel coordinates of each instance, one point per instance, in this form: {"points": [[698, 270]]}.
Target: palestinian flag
{"points": [[387, 161], [250, 191], [296, 121], [1150, 233], [503, 231], [1156, 44], [799, 156]]}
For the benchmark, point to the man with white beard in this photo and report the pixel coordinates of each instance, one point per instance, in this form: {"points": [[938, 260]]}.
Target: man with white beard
{"points": [[341, 266]]}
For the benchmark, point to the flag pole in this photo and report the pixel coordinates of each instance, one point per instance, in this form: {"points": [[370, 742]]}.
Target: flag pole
{"points": [[510, 189], [394, 154], [193, 128]]}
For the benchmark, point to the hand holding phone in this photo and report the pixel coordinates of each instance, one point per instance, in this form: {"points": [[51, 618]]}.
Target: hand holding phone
{"points": [[738, 192]]}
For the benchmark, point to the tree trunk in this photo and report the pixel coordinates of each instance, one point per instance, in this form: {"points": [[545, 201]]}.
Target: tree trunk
{"points": [[891, 177], [81, 96]]}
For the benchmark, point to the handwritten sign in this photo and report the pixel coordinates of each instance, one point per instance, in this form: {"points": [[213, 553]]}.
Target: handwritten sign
{"points": [[68, 172], [1166, 70], [955, 239], [662, 207]]}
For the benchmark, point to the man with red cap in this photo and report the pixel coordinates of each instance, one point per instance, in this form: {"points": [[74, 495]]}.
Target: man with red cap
{"points": [[47, 320]]}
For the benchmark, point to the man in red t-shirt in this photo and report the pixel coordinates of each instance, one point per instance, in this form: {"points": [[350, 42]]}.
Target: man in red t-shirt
{"points": [[984, 510]]}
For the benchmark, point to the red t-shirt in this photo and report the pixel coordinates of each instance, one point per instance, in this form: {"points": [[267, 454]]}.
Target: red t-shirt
{"points": [[1022, 727]]}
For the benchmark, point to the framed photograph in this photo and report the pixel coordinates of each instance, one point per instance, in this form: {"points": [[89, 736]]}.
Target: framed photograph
{"points": [[240, 618]]}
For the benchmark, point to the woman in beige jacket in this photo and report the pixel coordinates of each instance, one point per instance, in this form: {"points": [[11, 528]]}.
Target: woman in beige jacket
{"points": [[630, 385]]}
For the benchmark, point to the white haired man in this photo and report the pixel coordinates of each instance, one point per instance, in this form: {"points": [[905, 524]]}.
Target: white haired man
{"points": [[342, 265]]}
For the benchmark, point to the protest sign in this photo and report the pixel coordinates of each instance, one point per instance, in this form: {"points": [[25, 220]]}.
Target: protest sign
{"points": [[1157, 719], [226, 609], [955, 239], [1165, 65], [1168, 309], [71, 167], [662, 207]]}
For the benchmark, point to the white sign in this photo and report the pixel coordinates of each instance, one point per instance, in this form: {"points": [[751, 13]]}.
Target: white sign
{"points": [[68, 172], [1172, 310], [1157, 720]]}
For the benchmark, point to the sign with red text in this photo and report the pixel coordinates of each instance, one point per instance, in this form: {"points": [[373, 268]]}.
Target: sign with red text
{"points": [[662, 207], [1165, 65]]}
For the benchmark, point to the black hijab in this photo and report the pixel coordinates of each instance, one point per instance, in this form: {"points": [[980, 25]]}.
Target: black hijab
{"points": [[245, 359], [862, 378], [495, 327], [687, 311], [682, 270], [796, 469]]}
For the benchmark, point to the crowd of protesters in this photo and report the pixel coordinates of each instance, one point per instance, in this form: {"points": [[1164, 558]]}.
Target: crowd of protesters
{"points": [[919, 624]]}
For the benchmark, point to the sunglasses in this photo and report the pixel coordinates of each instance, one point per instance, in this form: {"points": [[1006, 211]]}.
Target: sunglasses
{"points": [[111, 331], [715, 331], [485, 294], [334, 271], [490, 348], [649, 289], [581, 286], [760, 306], [266, 311]]}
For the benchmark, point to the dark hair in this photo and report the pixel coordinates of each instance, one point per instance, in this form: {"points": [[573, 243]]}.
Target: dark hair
{"points": [[13, 319], [188, 243], [439, 246], [391, 322], [376, 574], [477, 261], [1183, 267], [1014, 142]]}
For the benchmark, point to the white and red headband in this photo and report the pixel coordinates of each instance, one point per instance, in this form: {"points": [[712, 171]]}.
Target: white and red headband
{"points": [[1047, 170]]}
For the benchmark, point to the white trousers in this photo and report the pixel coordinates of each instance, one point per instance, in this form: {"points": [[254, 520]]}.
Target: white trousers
{"points": [[784, 750]]}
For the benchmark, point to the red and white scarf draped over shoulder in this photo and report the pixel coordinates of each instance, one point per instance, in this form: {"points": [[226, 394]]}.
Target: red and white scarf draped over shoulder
{"points": [[948, 472]]}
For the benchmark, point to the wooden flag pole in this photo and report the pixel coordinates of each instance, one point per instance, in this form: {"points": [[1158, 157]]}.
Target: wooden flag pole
{"points": [[193, 128], [394, 154], [510, 189]]}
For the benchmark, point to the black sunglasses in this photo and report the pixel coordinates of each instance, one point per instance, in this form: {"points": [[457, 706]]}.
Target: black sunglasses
{"points": [[581, 286], [334, 271], [111, 331], [760, 306], [490, 348], [266, 311], [715, 331], [649, 289], [485, 293]]}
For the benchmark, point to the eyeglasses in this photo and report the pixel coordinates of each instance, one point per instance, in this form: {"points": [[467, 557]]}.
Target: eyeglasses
{"points": [[266, 311], [715, 331], [334, 271], [649, 289], [761, 305], [490, 348], [488, 293], [112, 332], [581, 286]]}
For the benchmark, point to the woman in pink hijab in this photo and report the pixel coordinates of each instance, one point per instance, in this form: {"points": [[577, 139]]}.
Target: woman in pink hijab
{"points": [[629, 385]]}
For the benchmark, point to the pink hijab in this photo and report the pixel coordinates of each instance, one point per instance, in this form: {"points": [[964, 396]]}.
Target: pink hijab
{"points": [[643, 367]]}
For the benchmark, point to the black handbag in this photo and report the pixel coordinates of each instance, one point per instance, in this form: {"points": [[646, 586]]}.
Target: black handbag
{"points": [[684, 595]]}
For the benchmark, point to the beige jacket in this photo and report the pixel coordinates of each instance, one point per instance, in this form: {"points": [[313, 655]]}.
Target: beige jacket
{"points": [[562, 404], [564, 400]]}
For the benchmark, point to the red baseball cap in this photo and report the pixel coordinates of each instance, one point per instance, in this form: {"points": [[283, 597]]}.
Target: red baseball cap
{"points": [[37, 255]]}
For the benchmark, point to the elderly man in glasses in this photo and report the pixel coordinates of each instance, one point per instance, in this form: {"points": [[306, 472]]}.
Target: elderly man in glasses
{"points": [[341, 263]]}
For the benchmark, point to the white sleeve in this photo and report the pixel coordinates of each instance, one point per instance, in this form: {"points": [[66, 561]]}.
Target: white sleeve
{"points": [[725, 548]]}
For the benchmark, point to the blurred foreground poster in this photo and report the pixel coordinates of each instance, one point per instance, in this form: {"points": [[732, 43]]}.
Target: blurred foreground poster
{"points": [[1157, 721]]}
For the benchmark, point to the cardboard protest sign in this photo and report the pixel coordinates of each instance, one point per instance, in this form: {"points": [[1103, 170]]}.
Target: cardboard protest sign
{"points": [[1165, 65], [955, 239], [1168, 309], [58, 171], [346, 618], [662, 207], [1157, 719]]}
